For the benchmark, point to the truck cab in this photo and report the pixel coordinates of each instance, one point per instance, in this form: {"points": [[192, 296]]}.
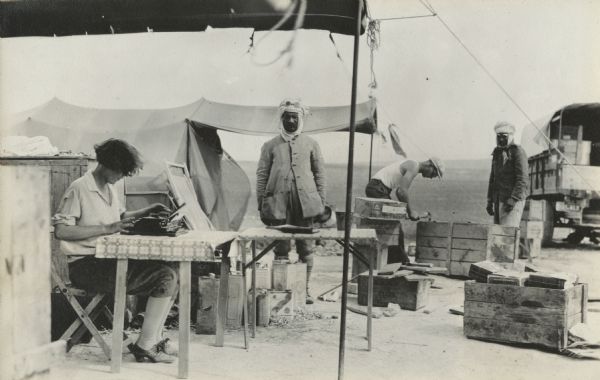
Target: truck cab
{"points": [[566, 175]]}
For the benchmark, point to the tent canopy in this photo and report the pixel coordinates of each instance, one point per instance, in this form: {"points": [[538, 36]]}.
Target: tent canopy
{"points": [[253, 120], [184, 134], [68, 17]]}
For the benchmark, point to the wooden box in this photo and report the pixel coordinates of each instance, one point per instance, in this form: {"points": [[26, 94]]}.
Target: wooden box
{"points": [[388, 233], [25, 273], [63, 171], [523, 315], [208, 293], [292, 277], [534, 210], [263, 278], [379, 208], [456, 245], [411, 292], [273, 304], [531, 229]]}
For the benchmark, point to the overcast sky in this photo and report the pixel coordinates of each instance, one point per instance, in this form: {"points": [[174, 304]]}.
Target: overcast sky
{"points": [[545, 53]]}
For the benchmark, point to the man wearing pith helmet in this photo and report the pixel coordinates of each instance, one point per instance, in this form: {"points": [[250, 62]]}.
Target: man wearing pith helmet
{"points": [[509, 178], [290, 181]]}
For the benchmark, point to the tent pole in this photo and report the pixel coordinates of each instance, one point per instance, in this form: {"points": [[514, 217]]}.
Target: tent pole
{"points": [[371, 157], [348, 218]]}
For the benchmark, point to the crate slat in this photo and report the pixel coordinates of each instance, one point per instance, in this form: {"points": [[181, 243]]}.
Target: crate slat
{"points": [[434, 253], [430, 241], [523, 315], [467, 243]]}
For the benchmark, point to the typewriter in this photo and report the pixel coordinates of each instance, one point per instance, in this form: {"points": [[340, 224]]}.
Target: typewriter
{"points": [[156, 225]]}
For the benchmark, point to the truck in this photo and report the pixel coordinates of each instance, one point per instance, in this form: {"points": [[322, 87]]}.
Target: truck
{"points": [[565, 177]]}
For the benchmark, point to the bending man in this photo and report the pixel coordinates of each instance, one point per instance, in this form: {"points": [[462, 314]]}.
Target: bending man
{"points": [[393, 182]]}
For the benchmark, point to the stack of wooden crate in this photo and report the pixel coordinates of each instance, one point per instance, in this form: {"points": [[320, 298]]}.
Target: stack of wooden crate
{"points": [[532, 228], [522, 314], [456, 245]]}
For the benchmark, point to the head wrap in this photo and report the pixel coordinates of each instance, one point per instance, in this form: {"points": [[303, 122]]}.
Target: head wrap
{"points": [[504, 127], [292, 105], [438, 165]]}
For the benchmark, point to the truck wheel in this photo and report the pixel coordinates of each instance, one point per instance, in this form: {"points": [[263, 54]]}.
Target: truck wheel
{"points": [[595, 237], [548, 217], [575, 237]]}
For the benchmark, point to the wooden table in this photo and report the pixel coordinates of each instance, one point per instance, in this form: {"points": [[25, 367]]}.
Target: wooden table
{"points": [[185, 248], [271, 236]]}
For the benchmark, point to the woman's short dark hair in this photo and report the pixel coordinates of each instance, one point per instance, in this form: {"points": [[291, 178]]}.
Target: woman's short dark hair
{"points": [[119, 155]]}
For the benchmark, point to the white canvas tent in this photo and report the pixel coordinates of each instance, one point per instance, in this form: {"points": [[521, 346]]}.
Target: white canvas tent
{"points": [[185, 134]]}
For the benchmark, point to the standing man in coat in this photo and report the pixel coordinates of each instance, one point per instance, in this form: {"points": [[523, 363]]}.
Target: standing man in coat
{"points": [[290, 181], [509, 178]]}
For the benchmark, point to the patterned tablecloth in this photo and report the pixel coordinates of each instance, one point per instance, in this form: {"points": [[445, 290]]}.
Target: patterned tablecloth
{"points": [[191, 246]]}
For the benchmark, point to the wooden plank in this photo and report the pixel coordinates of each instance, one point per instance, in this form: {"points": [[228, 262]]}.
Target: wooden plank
{"points": [[436, 263], [512, 313], [574, 296], [184, 318], [459, 269], [431, 253], [25, 259], [222, 304], [433, 229], [379, 208], [468, 256], [496, 229], [513, 332], [469, 244], [430, 241], [515, 295], [470, 230], [584, 302], [119, 316]]}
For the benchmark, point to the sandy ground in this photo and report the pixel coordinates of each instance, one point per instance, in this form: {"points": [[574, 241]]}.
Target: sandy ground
{"points": [[424, 344]]}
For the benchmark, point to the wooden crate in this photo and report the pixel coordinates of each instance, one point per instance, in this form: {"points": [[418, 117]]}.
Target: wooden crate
{"points": [[263, 278], [379, 208], [531, 229], [292, 277], [523, 315], [63, 171], [411, 292], [456, 245], [208, 293], [273, 304], [25, 273], [534, 210], [388, 232]]}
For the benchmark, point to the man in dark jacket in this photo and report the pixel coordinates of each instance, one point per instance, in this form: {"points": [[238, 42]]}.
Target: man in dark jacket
{"points": [[290, 181], [509, 178]]}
